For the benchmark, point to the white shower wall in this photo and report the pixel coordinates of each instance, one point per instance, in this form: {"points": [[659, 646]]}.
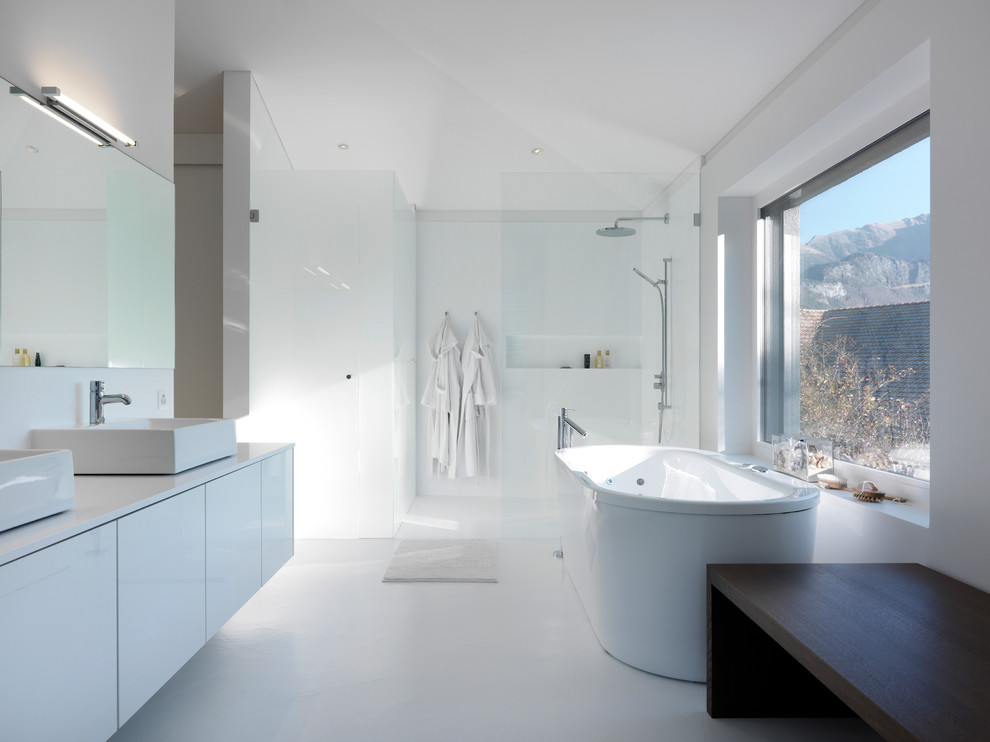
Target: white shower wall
{"points": [[458, 272], [566, 292], [549, 290]]}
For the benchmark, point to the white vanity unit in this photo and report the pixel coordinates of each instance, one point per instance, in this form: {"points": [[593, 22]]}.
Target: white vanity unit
{"points": [[102, 604]]}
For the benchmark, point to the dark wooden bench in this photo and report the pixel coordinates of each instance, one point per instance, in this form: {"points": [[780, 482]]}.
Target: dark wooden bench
{"points": [[903, 647]]}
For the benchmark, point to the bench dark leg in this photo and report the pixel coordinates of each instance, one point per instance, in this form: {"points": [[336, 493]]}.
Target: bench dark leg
{"points": [[750, 675]]}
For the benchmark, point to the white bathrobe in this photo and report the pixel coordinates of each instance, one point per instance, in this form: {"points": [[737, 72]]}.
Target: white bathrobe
{"points": [[478, 394], [443, 396]]}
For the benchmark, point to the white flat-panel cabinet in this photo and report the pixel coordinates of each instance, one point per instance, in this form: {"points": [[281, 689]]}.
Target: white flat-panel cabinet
{"points": [[276, 513], [233, 544], [58, 641], [161, 592], [93, 626]]}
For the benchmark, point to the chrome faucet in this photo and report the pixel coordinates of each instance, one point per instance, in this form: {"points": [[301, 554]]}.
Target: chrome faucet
{"points": [[566, 428], [97, 399]]}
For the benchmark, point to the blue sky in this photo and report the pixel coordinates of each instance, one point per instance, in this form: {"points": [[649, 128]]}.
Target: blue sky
{"points": [[896, 188]]}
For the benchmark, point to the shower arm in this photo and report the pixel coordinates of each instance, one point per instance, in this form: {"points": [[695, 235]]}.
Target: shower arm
{"points": [[665, 219]]}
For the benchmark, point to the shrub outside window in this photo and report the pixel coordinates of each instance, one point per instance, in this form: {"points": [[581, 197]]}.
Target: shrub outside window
{"points": [[846, 307]]}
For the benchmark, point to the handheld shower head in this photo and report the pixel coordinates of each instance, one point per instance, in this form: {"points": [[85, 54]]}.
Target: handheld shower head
{"points": [[617, 231], [654, 284]]}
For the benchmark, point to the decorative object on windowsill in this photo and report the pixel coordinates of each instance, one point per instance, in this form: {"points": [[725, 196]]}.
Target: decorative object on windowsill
{"points": [[832, 482], [802, 457], [867, 491]]}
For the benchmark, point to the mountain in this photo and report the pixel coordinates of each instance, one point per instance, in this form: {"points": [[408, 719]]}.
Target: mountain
{"points": [[907, 239], [884, 263]]}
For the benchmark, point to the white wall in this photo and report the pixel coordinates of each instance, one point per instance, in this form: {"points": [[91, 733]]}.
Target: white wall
{"points": [[867, 79], [960, 403], [80, 48], [736, 221], [40, 397], [458, 271], [116, 57]]}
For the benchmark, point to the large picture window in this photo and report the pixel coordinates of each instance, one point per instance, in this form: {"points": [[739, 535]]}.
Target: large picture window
{"points": [[846, 306]]}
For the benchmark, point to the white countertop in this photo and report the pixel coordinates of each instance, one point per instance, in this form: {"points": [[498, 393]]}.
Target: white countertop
{"points": [[101, 499]]}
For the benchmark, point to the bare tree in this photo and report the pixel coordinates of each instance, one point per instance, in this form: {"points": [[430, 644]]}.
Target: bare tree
{"points": [[854, 407]]}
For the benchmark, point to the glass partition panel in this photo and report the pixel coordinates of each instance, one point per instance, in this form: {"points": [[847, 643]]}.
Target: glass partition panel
{"points": [[404, 397], [333, 344], [568, 295], [675, 247], [306, 338]]}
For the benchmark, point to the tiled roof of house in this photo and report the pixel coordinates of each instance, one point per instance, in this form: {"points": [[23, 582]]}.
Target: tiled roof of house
{"points": [[890, 335]]}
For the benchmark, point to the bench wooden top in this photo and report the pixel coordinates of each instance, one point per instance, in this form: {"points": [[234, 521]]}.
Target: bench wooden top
{"points": [[905, 647]]}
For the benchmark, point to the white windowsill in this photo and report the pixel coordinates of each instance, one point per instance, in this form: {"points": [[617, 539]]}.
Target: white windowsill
{"points": [[916, 491]]}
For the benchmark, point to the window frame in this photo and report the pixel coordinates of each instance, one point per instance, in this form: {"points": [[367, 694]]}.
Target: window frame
{"points": [[779, 353]]}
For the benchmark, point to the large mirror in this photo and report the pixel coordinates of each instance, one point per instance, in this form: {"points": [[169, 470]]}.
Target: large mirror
{"points": [[87, 246]]}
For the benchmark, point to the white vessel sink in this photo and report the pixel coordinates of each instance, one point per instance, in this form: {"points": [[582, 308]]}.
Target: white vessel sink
{"points": [[142, 446], [34, 484]]}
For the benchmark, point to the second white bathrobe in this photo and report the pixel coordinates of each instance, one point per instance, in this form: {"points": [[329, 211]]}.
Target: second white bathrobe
{"points": [[478, 394]]}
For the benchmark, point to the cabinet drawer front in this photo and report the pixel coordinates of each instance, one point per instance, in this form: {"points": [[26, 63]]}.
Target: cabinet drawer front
{"points": [[276, 513], [162, 594], [233, 544], [58, 641]]}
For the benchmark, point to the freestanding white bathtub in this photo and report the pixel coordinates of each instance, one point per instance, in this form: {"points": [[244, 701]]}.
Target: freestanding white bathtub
{"points": [[639, 524]]}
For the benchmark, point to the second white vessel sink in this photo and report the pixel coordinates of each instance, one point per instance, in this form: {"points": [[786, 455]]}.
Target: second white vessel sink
{"points": [[33, 485], [142, 446]]}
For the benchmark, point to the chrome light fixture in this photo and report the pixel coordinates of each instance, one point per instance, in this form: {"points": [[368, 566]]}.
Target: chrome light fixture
{"points": [[77, 117]]}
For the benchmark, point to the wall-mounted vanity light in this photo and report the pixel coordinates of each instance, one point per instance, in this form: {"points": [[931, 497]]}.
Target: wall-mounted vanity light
{"points": [[78, 118]]}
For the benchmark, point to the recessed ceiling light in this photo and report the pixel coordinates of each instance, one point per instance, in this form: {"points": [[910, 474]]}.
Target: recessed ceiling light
{"points": [[343, 147], [537, 150]]}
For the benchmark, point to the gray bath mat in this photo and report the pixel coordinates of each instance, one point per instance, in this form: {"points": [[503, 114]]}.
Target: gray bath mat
{"points": [[468, 560]]}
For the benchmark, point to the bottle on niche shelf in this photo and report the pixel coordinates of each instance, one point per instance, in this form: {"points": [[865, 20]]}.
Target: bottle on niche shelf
{"points": [[17, 357], [599, 361], [608, 359], [25, 358]]}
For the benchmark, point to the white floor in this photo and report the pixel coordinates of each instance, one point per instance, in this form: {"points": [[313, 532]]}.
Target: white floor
{"points": [[326, 651]]}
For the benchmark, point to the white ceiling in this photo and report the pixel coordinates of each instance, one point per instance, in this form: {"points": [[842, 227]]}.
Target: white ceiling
{"points": [[453, 94]]}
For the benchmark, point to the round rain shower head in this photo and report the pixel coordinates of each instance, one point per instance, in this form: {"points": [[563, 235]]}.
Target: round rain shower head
{"points": [[616, 231]]}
